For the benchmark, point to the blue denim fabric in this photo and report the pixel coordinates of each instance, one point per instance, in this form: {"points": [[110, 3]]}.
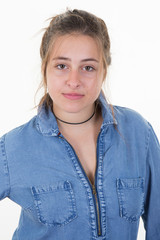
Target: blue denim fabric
{"points": [[39, 170]]}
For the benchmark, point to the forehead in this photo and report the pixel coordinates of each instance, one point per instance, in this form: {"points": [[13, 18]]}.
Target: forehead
{"points": [[76, 45]]}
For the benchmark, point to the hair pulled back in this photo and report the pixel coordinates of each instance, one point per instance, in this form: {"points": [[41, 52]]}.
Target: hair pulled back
{"points": [[76, 21]]}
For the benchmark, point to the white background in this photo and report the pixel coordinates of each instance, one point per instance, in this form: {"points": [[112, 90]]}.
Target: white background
{"points": [[133, 79]]}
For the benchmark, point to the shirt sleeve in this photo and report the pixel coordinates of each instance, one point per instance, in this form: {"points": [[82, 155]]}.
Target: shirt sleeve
{"points": [[151, 216], [4, 173]]}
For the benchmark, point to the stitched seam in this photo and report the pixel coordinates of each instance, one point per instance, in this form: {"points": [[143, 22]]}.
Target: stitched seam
{"points": [[86, 187], [37, 193], [148, 139], [6, 169]]}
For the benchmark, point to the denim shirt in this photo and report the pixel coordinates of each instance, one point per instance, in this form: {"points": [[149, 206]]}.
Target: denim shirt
{"points": [[40, 171]]}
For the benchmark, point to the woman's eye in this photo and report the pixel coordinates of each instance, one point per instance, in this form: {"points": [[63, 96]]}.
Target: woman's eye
{"points": [[61, 66], [89, 68]]}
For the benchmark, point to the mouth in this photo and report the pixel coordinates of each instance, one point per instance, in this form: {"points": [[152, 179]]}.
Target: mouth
{"points": [[73, 96]]}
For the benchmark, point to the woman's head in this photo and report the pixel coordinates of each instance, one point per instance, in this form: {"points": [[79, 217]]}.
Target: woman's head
{"points": [[74, 22]]}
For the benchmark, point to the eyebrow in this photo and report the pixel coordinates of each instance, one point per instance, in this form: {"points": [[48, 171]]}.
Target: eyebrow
{"points": [[83, 60]]}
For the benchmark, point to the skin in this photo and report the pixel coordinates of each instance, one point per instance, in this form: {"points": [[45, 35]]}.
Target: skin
{"points": [[74, 79], [74, 76]]}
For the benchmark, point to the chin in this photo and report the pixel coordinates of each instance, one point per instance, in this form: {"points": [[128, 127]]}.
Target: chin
{"points": [[72, 109]]}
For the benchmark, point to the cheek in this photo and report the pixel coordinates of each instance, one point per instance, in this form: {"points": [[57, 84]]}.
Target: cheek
{"points": [[53, 83], [50, 78], [97, 82], [94, 90], [97, 89]]}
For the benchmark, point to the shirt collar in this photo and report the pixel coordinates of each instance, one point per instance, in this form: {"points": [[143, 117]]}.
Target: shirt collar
{"points": [[46, 122], [107, 111]]}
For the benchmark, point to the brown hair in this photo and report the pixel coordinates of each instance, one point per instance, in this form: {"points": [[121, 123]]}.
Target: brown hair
{"points": [[76, 21]]}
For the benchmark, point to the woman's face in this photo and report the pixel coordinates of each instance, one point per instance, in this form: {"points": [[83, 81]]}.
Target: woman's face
{"points": [[74, 74]]}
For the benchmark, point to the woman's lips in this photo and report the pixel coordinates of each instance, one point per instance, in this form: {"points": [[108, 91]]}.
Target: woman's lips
{"points": [[73, 96]]}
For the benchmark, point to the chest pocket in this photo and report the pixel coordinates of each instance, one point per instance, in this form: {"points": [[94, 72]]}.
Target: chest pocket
{"points": [[55, 204], [131, 198]]}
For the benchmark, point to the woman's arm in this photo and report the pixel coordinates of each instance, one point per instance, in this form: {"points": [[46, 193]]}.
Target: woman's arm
{"points": [[151, 216], [4, 173]]}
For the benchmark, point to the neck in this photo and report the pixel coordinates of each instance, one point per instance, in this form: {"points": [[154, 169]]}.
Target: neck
{"points": [[74, 118], [78, 129], [76, 123]]}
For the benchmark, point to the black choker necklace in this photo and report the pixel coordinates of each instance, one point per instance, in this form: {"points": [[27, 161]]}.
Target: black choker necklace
{"points": [[75, 123]]}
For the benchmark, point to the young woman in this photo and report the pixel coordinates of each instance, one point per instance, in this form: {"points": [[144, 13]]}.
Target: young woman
{"points": [[81, 168]]}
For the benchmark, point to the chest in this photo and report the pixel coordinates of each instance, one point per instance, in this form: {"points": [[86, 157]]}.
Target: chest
{"points": [[86, 153], [56, 197]]}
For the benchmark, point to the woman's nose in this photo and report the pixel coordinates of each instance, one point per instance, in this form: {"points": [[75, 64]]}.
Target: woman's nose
{"points": [[73, 80]]}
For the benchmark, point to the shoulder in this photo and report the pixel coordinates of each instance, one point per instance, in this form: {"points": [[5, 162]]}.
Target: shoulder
{"points": [[135, 129], [129, 115], [130, 120], [18, 135]]}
